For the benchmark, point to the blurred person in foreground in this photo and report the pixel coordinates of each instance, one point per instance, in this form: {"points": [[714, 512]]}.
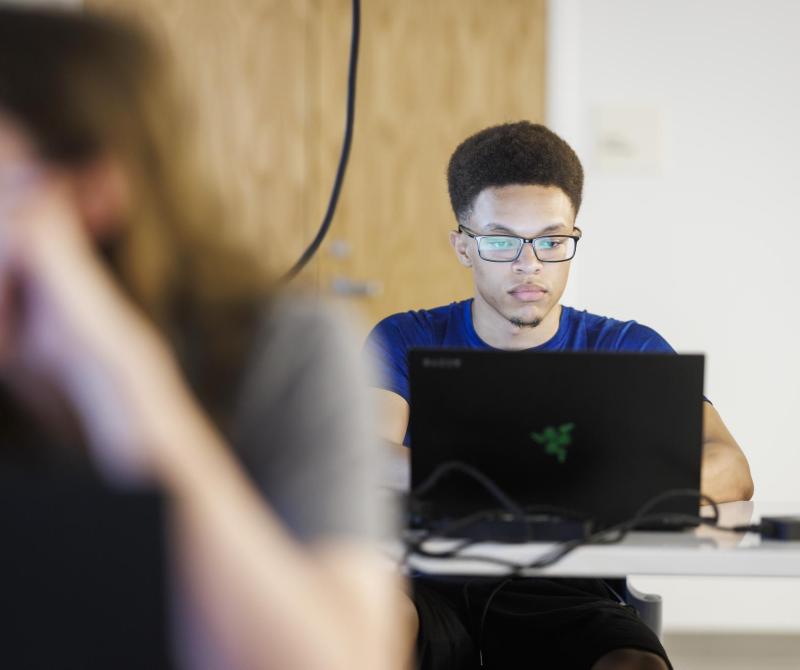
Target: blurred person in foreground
{"points": [[134, 326]]}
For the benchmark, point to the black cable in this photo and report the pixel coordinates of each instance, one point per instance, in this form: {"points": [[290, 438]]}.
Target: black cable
{"points": [[346, 144], [485, 613], [614, 592], [416, 546], [457, 466], [641, 517], [610, 535]]}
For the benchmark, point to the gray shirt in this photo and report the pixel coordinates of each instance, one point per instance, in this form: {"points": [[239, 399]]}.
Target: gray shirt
{"points": [[302, 423], [302, 426]]}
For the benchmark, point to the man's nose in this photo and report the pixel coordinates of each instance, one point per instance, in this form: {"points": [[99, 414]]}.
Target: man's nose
{"points": [[527, 261]]}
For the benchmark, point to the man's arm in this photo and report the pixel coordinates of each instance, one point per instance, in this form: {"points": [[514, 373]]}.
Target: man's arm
{"points": [[393, 414], [726, 473]]}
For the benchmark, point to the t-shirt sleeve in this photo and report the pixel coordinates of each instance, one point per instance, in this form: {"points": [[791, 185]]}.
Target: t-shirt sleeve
{"points": [[636, 337], [387, 350], [303, 425]]}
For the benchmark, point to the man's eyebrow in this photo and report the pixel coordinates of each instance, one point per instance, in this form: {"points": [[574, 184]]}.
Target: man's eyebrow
{"points": [[500, 228]]}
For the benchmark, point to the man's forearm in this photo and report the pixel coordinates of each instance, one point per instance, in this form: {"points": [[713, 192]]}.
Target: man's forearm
{"points": [[725, 473], [396, 466]]}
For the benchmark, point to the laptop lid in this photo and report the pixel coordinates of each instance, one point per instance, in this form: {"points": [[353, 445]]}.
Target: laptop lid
{"points": [[82, 573], [596, 434]]}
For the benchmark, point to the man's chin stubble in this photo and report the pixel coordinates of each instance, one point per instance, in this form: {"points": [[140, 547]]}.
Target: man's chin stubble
{"points": [[519, 323]]}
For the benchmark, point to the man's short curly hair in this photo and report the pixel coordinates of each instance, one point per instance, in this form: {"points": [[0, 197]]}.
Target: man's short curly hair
{"points": [[512, 153]]}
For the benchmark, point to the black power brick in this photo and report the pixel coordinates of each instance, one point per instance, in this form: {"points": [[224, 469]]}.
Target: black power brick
{"points": [[780, 527]]}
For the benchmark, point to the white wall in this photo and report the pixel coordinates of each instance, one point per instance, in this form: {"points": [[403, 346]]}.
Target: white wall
{"points": [[691, 222]]}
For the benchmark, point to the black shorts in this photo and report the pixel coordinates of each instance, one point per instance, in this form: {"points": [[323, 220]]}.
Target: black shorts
{"points": [[530, 623]]}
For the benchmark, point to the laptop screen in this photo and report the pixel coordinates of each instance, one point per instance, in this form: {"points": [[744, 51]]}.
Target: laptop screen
{"points": [[593, 434]]}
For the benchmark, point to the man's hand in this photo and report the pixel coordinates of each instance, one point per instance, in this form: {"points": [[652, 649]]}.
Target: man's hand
{"points": [[67, 322]]}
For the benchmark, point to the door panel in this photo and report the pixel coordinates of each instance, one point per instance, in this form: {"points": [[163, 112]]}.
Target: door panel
{"points": [[270, 80], [245, 65], [430, 74]]}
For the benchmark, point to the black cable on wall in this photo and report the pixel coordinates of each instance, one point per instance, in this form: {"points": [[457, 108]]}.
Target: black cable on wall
{"points": [[345, 154]]}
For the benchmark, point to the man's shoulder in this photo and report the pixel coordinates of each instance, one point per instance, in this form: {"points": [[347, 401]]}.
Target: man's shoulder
{"points": [[423, 327], [603, 333], [390, 341], [598, 325]]}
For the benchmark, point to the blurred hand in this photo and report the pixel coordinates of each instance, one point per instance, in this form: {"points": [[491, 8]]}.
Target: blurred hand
{"points": [[64, 319]]}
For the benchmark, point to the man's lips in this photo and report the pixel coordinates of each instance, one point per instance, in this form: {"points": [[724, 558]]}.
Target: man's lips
{"points": [[528, 292]]}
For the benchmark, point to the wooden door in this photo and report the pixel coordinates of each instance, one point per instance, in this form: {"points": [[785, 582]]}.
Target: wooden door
{"points": [[269, 77], [246, 66], [431, 73]]}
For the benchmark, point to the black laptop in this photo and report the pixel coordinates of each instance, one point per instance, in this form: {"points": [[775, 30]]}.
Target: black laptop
{"points": [[575, 436], [82, 574]]}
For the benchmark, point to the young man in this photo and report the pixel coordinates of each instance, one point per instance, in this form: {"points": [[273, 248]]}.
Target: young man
{"points": [[516, 191]]}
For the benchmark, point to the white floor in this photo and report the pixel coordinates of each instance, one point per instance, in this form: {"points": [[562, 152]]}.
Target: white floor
{"points": [[733, 652]]}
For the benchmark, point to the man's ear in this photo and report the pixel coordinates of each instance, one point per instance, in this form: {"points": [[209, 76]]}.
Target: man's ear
{"points": [[459, 243], [102, 195]]}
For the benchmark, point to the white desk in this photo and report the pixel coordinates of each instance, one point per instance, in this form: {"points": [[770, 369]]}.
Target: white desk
{"points": [[702, 551]]}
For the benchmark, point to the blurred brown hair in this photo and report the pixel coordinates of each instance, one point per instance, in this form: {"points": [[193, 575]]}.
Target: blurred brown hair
{"points": [[84, 86]]}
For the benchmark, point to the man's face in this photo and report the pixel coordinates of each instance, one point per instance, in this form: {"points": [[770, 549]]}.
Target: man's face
{"points": [[522, 292]]}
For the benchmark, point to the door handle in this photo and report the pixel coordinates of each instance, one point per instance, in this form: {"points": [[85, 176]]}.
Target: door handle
{"points": [[345, 286]]}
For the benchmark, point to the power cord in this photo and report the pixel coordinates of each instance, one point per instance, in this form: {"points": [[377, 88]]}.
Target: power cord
{"points": [[414, 542], [486, 482], [345, 154], [508, 507]]}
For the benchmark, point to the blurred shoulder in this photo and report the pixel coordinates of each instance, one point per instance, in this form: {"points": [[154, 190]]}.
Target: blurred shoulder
{"points": [[296, 330]]}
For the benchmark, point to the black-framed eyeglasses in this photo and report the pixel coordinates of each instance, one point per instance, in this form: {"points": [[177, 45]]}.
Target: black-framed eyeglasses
{"points": [[507, 248]]}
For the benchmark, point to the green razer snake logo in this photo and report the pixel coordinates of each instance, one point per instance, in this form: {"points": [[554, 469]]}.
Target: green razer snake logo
{"points": [[555, 440]]}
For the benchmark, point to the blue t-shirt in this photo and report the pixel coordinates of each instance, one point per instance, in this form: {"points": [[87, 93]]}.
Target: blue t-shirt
{"points": [[451, 326]]}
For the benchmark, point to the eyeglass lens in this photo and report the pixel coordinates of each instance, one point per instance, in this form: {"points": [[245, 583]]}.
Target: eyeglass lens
{"points": [[506, 248]]}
